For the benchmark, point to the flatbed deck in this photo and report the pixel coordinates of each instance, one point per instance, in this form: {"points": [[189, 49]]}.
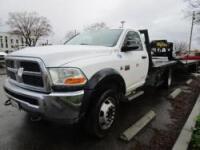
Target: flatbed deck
{"points": [[159, 62]]}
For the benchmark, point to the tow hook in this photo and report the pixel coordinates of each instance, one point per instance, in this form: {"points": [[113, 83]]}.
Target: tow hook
{"points": [[7, 103], [35, 118]]}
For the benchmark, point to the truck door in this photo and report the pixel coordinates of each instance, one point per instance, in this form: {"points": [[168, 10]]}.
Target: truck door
{"points": [[135, 61]]}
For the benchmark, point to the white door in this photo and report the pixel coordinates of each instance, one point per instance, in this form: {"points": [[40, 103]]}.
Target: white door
{"points": [[135, 62]]}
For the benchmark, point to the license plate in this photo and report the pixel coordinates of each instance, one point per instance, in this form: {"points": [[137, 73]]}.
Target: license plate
{"points": [[14, 104]]}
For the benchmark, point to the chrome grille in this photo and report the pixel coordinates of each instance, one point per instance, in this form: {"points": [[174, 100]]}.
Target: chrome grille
{"points": [[28, 73], [1, 57]]}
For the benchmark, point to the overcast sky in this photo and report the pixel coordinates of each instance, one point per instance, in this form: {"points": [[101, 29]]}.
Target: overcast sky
{"points": [[164, 18]]}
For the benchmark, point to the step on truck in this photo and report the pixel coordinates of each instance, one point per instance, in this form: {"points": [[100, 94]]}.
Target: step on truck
{"points": [[87, 78]]}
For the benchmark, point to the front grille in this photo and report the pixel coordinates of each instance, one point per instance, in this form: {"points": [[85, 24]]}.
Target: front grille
{"points": [[11, 75], [1, 57], [10, 63], [30, 66], [27, 73], [33, 80]]}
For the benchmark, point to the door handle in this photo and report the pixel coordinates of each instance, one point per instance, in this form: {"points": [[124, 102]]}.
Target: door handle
{"points": [[144, 57]]}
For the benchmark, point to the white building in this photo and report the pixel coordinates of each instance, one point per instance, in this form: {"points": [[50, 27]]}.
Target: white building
{"points": [[10, 42]]}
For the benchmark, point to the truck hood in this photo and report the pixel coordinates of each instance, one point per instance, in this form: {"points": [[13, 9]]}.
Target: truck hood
{"points": [[59, 55]]}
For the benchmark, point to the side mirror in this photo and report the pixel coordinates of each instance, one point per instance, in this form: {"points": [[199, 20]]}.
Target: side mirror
{"points": [[131, 47]]}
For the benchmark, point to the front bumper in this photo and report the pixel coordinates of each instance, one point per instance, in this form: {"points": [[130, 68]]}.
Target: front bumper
{"points": [[63, 106]]}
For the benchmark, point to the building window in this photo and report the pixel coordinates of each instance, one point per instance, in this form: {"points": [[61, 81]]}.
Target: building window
{"points": [[1, 41], [22, 41], [11, 41], [17, 41], [6, 40]]}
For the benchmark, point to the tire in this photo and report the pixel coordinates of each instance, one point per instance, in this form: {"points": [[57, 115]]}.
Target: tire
{"points": [[168, 79], [103, 113]]}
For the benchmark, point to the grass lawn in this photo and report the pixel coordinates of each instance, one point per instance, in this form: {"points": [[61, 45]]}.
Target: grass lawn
{"points": [[195, 141]]}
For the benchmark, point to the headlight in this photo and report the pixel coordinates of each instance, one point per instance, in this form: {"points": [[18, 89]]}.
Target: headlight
{"points": [[67, 76]]}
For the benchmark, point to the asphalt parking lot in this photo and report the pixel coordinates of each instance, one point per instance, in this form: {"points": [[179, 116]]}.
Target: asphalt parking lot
{"points": [[17, 132]]}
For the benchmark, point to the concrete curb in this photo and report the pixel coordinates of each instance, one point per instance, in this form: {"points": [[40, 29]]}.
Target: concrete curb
{"points": [[184, 138], [175, 93], [188, 82], [196, 74], [129, 133]]}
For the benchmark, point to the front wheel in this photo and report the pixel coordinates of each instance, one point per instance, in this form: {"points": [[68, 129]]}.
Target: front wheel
{"points": [[103, 113]]}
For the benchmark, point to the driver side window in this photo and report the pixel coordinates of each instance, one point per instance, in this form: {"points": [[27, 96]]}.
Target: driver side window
{"points": [[132, 38]]}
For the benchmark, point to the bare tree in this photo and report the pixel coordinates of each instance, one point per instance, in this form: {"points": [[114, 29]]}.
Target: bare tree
{"points": [[70, 34], [96, 26], [197, 17], [180, 46], [31, 26], [195, 5]]}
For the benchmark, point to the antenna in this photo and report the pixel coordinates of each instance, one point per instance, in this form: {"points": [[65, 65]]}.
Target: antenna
{"points": [[122, 23]]}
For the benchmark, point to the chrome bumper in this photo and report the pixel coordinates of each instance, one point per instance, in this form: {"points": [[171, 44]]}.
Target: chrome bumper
{"points": [[54, 106]]}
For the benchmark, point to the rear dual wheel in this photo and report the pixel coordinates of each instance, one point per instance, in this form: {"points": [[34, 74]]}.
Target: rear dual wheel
{"points": [[168, 78]]}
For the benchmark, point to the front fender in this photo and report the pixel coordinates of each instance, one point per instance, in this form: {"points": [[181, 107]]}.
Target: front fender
{"points": [[100, 78]]}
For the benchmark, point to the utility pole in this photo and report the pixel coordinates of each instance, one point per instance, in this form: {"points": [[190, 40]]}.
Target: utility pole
{"points": [[122, 22], [190, 42]]}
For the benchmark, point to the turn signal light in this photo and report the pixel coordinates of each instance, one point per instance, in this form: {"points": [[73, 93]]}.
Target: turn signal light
{"points": [[75, 81]]}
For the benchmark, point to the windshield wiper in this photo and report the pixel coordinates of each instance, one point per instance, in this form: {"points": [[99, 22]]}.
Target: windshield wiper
{"points": [[84, 44]]}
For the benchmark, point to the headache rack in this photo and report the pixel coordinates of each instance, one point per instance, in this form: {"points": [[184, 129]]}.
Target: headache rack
{"points": [[157, 48]]}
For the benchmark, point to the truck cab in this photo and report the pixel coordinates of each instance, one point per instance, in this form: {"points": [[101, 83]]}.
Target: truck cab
{"points": [[84, 80]]}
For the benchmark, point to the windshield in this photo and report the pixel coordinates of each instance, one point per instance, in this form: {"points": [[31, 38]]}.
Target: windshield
{"points": [[98, 38]]}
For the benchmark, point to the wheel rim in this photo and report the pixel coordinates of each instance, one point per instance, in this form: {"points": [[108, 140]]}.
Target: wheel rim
{"points": [[107, 114]]}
